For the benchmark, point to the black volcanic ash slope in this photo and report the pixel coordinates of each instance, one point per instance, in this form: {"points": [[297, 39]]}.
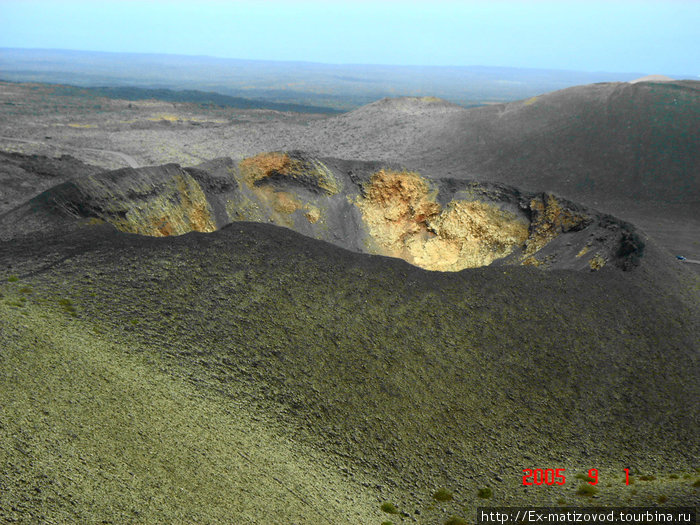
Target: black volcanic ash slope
{"points": [[610, 142], [407, 379], [22, 176]]}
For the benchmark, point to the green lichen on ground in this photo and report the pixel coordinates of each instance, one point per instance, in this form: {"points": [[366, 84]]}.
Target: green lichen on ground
{"points": [[93, 430], [368, 368]]}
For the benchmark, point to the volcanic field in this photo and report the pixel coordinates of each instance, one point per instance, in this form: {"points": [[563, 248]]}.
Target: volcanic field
{"points": [[381, 316]]}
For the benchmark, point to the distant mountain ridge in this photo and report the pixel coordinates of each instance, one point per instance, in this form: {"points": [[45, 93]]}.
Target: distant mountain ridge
{"points": [[194, 96], [336, 86], [652, 78]]}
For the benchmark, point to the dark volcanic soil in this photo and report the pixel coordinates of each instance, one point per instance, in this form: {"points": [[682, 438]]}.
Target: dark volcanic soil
{"points": [[23, 176], [416, 380]]}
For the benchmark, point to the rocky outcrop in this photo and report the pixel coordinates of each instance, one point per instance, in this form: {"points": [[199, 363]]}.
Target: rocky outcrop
{"points": [[404, 219]]}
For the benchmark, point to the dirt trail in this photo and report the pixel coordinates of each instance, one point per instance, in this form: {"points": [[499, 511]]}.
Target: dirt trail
{"points": [[128, 159]]}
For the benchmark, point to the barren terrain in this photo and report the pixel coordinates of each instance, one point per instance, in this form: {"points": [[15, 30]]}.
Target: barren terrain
{"points": [[376, 317], [625, 149]]}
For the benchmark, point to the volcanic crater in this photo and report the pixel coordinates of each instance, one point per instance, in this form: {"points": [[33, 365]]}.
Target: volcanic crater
{"points": [[439, 224]]}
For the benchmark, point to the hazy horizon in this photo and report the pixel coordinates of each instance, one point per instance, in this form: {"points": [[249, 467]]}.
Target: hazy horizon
{"points": [[311, 62], [648, 37]]}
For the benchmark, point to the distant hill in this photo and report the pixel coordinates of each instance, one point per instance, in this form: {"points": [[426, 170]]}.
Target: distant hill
{"points": [[628, 149], [652, 78], [610, 141], [201, 97], [621, 143]]}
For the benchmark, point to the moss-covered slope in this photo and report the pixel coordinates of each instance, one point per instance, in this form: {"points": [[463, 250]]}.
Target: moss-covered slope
{"points": [[406, 380], [94, 431]]}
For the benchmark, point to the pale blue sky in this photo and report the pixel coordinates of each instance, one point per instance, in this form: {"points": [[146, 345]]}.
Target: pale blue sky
{"points": [[659, 36]]}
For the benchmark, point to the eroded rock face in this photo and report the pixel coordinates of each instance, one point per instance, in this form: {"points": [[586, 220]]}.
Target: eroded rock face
{"points": [[155, 202], [404, 220], [436, 224], [273, 186]]}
